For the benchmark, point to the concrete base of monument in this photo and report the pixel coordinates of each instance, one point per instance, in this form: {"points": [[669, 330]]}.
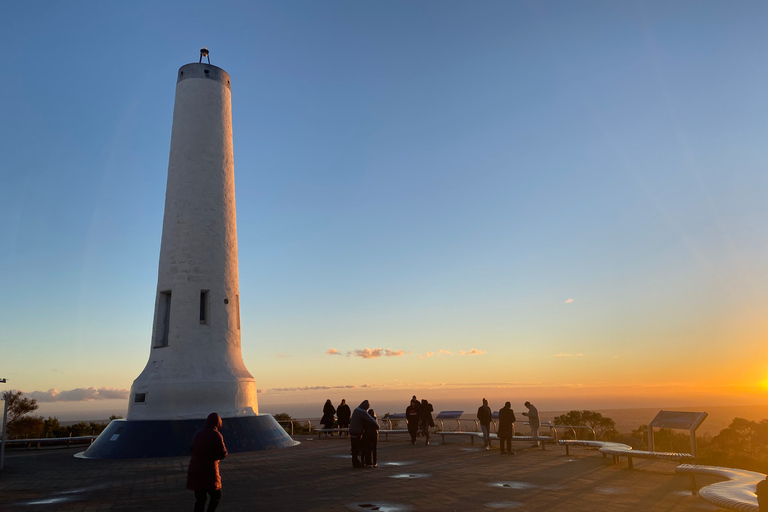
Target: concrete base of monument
{"points": [[125, 439]]}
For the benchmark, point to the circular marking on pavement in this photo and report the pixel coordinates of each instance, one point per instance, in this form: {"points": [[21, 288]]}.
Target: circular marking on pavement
{"points": [[471, 449], [380, 506], [395, 463], [504, 504], [683, 493], [610, 490], [340, 456], [514, 485], [410, 475], [45, 501]]}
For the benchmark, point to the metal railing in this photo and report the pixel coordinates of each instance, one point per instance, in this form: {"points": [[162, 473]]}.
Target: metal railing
{"points": [[52, 440], [461, 425]]}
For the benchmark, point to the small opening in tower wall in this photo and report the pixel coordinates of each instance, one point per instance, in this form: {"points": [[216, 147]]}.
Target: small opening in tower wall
{"points": [[163, 318], [204, 307], [237, 305], [206, 71], [139, 398]]}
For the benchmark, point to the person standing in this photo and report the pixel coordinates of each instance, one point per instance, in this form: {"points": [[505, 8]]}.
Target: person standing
{"points": [[359, 422], [533, 419], [343, 414], [485, 415], [370, 443], [425, 418], [328, 411], [506, 428], [203, 474], [412, 419]]}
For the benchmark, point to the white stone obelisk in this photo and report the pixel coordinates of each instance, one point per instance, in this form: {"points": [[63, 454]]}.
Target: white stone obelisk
{"points": [[195, 365]]}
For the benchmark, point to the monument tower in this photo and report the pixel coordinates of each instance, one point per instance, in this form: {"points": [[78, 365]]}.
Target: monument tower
{"points": [[196, 365]]}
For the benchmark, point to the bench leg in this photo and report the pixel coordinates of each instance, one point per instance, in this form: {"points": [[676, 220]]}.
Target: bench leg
{"points": [[629, 461], [566, 450]]}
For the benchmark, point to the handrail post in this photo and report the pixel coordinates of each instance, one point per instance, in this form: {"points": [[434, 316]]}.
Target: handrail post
{"points": [[2, 442]]}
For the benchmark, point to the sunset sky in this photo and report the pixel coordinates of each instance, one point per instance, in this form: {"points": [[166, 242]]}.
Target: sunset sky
{"points": [[562, 201]]}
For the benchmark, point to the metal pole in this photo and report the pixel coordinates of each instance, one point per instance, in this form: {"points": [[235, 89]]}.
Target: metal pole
{"points": [[2, 443]]}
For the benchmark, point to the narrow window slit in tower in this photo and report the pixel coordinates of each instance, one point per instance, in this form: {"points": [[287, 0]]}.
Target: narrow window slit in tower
{"points": [[204, 307], [164, 317], [237, 305]]}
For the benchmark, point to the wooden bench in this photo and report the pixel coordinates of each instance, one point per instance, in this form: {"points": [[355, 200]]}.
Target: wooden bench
{"points": [[736, 493], [329, 431], [629, 453], [618, 450], [387, 432], [494, 437]]}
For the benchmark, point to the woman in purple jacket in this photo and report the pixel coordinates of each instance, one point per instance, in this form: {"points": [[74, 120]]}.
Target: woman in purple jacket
{"points": [[203, 474]]}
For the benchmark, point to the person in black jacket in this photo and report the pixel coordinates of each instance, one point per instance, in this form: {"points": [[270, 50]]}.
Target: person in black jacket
{"points": [[343, 413], [370, 443], [328, 411], [425, 418], [412, 419], [485, 416], [506, 428]]}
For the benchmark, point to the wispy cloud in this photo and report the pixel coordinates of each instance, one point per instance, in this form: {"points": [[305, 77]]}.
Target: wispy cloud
{"points": [[446, 352], [260, 391], [79, 395], [562, 354], [569, 301], [425, 356], [373, 353], [473, 352], [332, 352], [317, 388]]}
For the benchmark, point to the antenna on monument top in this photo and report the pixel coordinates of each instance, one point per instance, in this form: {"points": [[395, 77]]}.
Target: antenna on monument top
{"points": [[204, 53]]}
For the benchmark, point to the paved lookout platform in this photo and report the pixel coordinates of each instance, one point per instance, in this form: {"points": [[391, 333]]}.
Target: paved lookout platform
{"points": [[318, 475]]}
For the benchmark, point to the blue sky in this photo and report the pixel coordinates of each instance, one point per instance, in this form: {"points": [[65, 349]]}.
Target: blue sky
{"points": [[558, 185]]}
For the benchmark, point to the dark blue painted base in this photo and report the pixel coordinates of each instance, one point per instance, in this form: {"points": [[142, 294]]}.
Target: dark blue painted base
{"points": [[124, 439]]}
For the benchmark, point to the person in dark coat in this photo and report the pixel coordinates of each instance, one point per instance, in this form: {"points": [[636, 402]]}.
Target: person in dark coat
{"points": [[412, 419], [425, 418], [203, 474], [485, 416], [343, 414], [328, 411], [762, 495], [358, 423], [370, 443], [506, 428]]}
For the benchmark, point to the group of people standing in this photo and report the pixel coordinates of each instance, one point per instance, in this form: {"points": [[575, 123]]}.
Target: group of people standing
{"points": [[363, 430], [343, 414], [364, 435], [418, 417], [506, 425]]}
